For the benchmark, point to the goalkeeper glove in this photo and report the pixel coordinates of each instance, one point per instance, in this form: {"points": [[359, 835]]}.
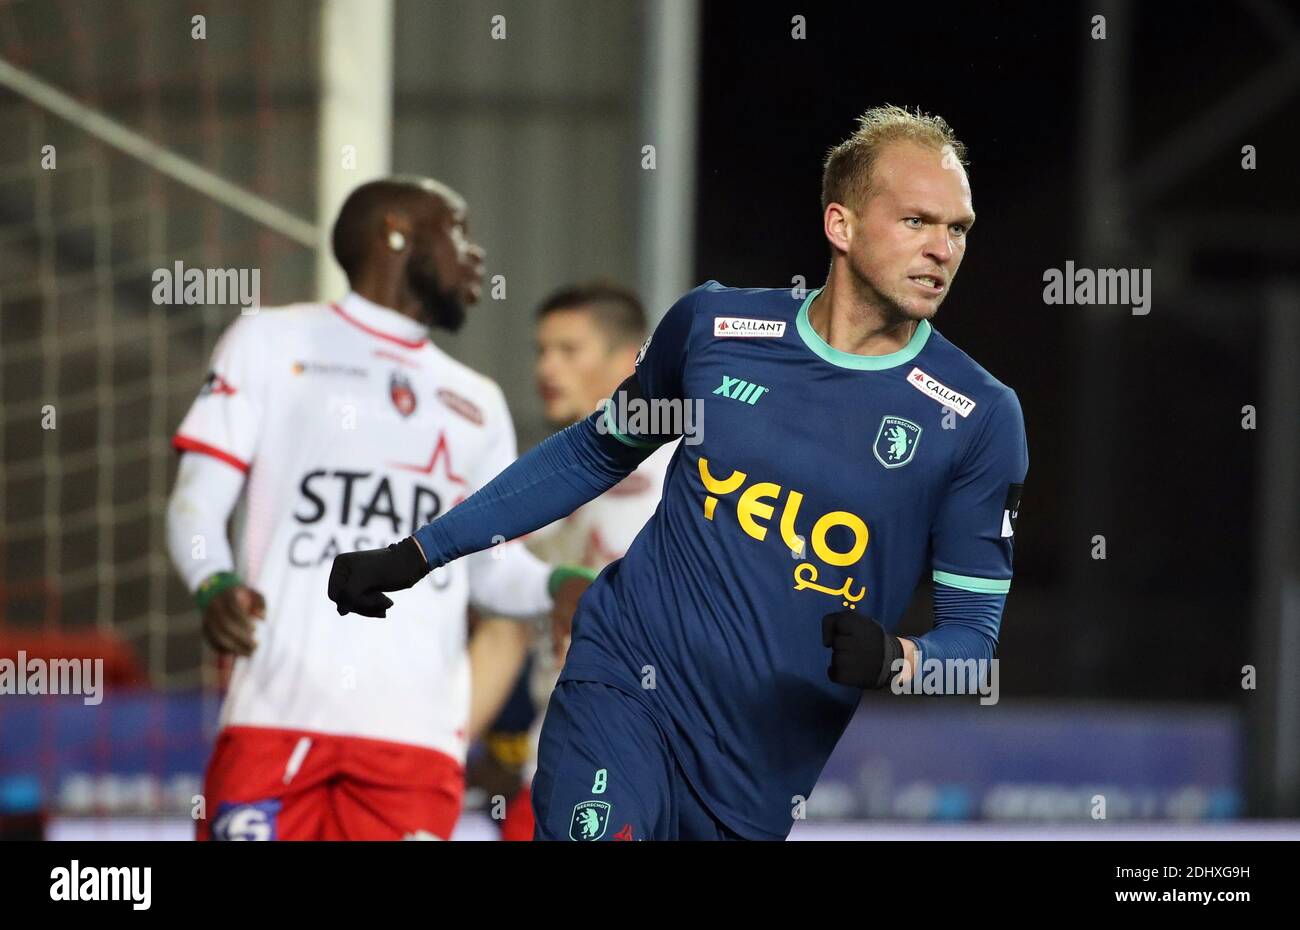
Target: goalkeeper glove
{"points": [[358, 579], [862, 653]]}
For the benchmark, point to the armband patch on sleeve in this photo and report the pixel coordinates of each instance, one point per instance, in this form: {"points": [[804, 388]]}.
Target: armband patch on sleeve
{"points": [[1011, 510]]}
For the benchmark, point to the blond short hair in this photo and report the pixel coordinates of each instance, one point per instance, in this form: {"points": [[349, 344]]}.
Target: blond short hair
{"points": [[846, 175]]}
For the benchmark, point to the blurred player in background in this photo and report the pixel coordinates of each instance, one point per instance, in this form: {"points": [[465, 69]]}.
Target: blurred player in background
{"points": [[846, 446], [587, 340], [343, 426]]}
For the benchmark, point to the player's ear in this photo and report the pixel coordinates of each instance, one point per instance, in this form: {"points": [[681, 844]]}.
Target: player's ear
{"points": [[837, 223], [397, 232]]}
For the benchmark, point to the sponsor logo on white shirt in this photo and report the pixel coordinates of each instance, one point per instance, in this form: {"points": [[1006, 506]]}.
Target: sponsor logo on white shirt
{"points": [[466, 408]]}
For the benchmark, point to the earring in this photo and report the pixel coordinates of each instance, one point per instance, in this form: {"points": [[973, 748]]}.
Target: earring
{"points": [[396, 241]]}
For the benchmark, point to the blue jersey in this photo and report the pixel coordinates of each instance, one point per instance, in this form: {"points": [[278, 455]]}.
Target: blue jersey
{"points": [[823, 481]]}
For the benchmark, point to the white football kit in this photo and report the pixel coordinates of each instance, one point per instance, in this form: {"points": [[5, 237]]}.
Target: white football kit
{"points": [[353, 430]]}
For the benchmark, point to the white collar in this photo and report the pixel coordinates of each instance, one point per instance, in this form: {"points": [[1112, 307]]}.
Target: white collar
{"points": [[382, 321]]}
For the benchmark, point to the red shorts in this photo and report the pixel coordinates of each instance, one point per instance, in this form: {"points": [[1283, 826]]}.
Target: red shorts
{"points": [[270, 784]]}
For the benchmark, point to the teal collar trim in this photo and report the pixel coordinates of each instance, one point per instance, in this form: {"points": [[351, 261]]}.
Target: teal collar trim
{"points": [[849, 359]]}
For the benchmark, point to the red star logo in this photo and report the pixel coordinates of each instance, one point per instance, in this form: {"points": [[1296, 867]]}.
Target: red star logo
{"points": [[440, 452]]}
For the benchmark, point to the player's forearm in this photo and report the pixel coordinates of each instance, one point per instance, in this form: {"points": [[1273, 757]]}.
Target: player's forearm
{"points": [[549, 482], [197, 513], [966, 625]]}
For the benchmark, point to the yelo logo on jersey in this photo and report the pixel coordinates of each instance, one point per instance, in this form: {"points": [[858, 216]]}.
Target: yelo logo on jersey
{"points": [[750, 508]]}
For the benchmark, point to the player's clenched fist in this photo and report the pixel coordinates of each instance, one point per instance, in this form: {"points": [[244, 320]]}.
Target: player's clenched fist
{"points": [[358, 579], [862, 653], [228, 620]]}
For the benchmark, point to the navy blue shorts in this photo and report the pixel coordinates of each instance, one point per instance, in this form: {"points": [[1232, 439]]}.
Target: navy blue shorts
{"points": [[605, 772]]}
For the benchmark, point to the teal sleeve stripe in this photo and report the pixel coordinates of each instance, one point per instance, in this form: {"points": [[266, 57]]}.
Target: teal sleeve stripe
{"points": [[626, 440], [970, 583]]}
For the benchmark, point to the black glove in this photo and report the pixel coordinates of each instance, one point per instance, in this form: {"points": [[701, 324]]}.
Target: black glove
{"points": [[862, 653], [358, 578]]}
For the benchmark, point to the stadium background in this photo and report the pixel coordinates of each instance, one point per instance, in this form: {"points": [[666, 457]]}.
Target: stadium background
{"points": [[1120, 676]]}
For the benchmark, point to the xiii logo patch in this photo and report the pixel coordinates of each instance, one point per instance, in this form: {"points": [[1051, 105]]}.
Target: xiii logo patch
{"points": [[896, 442]]}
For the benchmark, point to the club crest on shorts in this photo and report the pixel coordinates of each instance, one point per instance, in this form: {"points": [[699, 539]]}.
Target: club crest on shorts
{"points": [[896, 442], [255, 820], [589, 820], [399, 389]]}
